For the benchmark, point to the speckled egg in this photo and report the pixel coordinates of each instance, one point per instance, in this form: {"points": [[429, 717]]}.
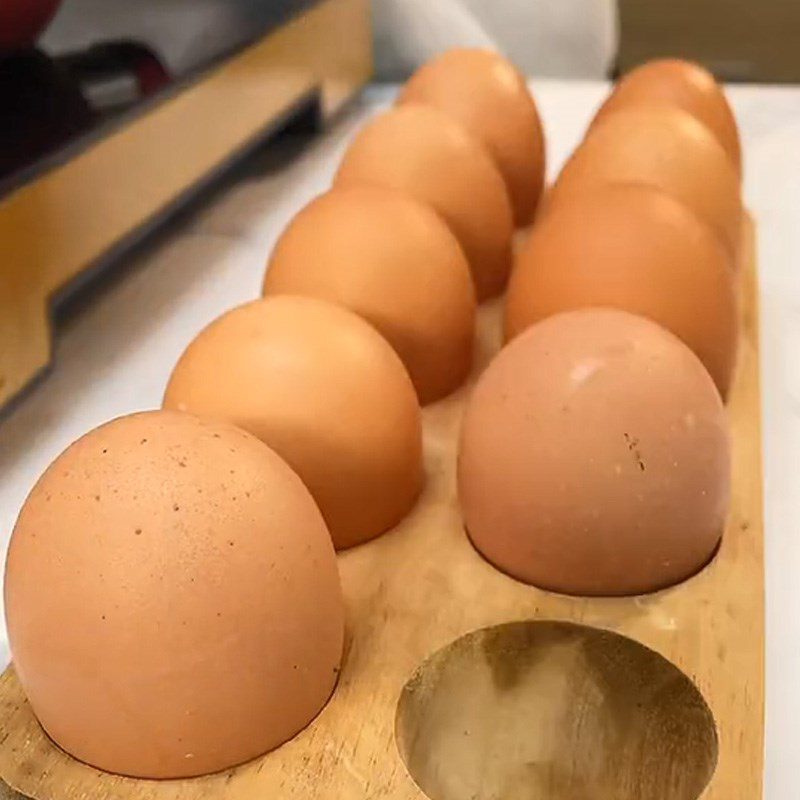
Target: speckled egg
{"points": [[172, 598], [595, 457]]}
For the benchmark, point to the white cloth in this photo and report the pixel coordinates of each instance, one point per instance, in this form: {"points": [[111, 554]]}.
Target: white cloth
{"points": [[551, 38]]}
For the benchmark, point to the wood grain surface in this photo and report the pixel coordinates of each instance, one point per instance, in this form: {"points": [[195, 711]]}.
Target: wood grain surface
{"points": [[577, 699]]}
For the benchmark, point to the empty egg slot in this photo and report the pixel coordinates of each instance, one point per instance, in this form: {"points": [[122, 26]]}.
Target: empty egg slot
{"points": [[554, 711]]}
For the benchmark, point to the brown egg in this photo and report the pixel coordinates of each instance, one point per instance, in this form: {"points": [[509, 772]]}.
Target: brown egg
{"points": [[488, 95], [393, 261], [322, 388], [172, 598], [637, 249], [662, 147], [420, 150], [684, 85], [595, 457]]}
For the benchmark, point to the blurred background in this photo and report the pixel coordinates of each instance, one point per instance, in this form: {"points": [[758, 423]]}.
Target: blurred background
{"points": [[67, 65]]}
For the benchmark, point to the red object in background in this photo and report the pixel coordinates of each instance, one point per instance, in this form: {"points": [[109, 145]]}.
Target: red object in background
{"points": [[21, 21], [104, 62], [150, 73]]}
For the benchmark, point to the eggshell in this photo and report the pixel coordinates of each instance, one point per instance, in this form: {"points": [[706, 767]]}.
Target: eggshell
{"points": [[391, 260], [425, 153], [685, 85], [172, 598], [488, 95], [637, 249], [595, 457], [663, 147], [326, 391]]}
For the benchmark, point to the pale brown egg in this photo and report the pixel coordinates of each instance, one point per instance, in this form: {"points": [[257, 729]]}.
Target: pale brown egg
{"points": [[634, 248], [326, 391], [685, 85], [422, 151], [488, 95], [662, 147], [172, 598], [392, 261], [595, 457]]}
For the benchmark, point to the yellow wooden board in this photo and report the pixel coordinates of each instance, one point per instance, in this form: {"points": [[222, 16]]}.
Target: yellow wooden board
{"points": [[543, 710], [60, 224]]}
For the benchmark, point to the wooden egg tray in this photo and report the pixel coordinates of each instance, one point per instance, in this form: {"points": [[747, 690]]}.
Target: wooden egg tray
{"points": [[543, 710]]}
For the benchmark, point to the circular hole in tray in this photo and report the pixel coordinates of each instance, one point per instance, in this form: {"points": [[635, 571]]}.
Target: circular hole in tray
{"points": [[554, 711]]}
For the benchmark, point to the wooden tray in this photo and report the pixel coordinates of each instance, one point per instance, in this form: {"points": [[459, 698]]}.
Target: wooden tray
{"points": [[543, 710]]}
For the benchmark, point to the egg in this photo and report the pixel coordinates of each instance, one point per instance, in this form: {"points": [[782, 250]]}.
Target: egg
{"points": [[326, 391], [634, 248], [684, 85], [662, 147], [488, 95], [595, 457], [172, 598], [391, 260], [420, 150]]}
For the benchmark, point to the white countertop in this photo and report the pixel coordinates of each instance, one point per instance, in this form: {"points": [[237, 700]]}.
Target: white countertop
{"points": [[115, 356]]}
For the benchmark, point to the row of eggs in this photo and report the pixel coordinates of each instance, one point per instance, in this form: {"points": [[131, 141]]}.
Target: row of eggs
{"points": [[172, 594]]}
